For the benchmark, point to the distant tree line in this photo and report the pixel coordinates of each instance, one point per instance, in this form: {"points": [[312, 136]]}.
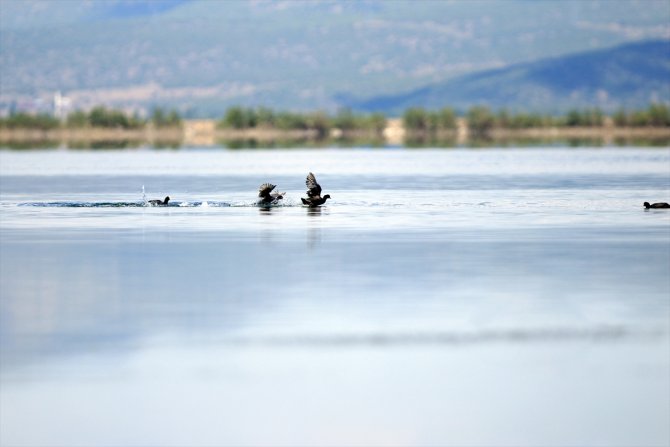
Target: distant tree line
{"points": [[163, 118], [22, 120], [98, 117], [321, 122], [103, 117], [657, 115], [419, 119], [480, 119]]}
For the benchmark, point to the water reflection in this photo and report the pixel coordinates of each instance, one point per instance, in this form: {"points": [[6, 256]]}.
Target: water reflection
{"points": [[106, 144], [300, 143], [65, 296], [604, 334], [31, 144], [314, 211], [411, 141], [420, 141], [456, 280]]}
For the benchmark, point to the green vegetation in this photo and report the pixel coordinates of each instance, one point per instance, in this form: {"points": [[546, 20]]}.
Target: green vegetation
{"points": [[417, 119], [507, 120], [77, 120], [481, 120], [102, 117], [263, 118], [162, 119], [657, 115], [584, 118], [26, 121], [98, 117]]}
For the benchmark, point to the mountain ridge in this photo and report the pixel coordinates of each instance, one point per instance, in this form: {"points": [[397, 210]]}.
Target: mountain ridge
{"points": [[631, 76], [202, 57]]}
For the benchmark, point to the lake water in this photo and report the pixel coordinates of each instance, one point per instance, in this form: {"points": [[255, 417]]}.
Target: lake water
{"points": [[463, 297]]}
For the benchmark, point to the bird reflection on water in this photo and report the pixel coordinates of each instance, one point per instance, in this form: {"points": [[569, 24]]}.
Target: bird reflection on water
{"points": [[314, 211]]}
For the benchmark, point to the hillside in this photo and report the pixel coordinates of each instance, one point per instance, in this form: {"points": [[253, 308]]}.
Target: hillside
{"points": [[631, 76], [202, 56]]}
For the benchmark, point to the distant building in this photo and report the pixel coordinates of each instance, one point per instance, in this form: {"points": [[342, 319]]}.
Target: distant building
{"points": [[62, 105]]}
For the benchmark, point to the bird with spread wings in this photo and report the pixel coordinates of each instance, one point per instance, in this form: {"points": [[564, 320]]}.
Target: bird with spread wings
{"points": [[313, 193], [267, 197]]}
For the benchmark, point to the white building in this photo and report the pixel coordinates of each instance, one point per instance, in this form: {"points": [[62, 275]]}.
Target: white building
{"points": [[62, 105]]}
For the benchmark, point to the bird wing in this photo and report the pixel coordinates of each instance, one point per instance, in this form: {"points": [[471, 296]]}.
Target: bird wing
{"points": [[313, 188], [265, 189]]}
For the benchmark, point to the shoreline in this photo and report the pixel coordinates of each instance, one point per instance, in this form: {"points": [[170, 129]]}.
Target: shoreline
{"points": [[205, 133]]}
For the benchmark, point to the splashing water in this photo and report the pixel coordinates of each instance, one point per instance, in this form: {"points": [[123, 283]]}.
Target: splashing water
{"points": [[205, 204]]}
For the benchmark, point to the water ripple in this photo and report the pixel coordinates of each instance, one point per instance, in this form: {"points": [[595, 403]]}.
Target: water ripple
{"points": [[598, 334]]}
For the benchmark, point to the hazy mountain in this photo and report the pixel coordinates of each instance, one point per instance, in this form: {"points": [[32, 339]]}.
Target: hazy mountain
{"points": [[206, 55], [630, 75]]}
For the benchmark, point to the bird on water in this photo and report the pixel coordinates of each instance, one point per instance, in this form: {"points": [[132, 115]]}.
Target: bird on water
{"points": [[158, 202], [313, 192], [656, 205], [266, 195]]}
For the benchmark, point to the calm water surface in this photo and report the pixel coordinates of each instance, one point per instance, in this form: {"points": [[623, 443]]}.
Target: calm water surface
{"points": [[443, 297]]}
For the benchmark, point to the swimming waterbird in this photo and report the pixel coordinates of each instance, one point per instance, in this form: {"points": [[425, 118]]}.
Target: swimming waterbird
{"points": [[656, 205], [157, 202]]}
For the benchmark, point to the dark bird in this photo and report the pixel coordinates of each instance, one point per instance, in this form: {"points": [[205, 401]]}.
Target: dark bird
{"points": [[656, 205], [313, 192], [157, 202], [267, 196]]}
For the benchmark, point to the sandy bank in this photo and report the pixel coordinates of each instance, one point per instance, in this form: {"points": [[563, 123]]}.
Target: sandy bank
{"points": [[205, 133]]}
